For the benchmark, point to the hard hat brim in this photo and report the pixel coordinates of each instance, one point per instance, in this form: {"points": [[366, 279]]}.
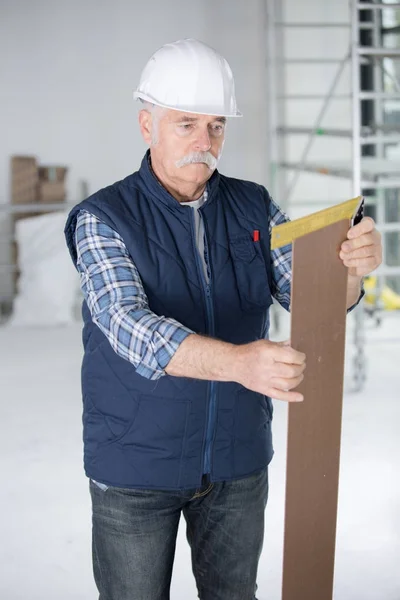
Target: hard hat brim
{"points": [[206, 111]]}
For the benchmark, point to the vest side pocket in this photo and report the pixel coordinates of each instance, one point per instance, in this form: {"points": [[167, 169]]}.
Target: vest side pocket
{"points": [[102, 428], [156, 441], [252, 432]]}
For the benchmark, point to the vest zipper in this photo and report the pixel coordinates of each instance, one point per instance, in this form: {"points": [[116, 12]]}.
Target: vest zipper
{"points": [[211, 331], [211, 407]]}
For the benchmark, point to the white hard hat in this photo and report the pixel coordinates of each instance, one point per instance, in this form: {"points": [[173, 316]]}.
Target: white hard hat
{"points": [[191, 77]]}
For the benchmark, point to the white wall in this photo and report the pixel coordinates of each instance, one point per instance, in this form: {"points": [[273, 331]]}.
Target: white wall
{"points": [[68, 69]]}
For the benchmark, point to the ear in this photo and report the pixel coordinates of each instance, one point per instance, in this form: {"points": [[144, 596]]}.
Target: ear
{"points": [[145, 123]]}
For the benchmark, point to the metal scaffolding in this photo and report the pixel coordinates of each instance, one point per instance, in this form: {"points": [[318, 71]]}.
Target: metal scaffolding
{"points": [[374, 169]]}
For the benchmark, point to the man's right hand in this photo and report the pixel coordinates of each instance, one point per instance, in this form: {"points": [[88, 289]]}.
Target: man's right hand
{"points": [[270, 368]]}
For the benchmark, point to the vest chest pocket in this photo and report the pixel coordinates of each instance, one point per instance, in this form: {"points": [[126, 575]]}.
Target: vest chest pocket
{"points": [[250, 272]]}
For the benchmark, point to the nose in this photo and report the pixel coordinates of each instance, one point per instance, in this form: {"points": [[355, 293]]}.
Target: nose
{"points": [[203, 143]]}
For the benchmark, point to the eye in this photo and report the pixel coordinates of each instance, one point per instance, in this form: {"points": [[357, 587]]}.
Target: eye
{"points": [[185, 129], [217, 128]]}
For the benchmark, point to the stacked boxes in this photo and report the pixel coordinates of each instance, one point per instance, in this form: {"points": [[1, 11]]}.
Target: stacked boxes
{"points": [[24, 181], [34, 184]]}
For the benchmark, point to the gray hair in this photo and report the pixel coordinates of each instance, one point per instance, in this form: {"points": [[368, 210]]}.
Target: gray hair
{"points": [[156, 114]]}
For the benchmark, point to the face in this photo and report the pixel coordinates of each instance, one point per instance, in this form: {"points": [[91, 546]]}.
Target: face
{"points": [[187, 146]]}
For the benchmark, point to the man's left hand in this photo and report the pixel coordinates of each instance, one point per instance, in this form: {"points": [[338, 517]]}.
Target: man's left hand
{"points": [[362, 251]]}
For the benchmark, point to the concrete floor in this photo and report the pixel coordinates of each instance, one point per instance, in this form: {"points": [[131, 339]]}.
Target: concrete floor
{"points": [[45, 510]]}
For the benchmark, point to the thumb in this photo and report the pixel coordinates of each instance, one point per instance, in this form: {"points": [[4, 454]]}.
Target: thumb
{"points": [[285, 343]]}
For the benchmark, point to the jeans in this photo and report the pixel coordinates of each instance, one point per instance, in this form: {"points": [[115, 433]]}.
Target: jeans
{"points": [[134, 537]]}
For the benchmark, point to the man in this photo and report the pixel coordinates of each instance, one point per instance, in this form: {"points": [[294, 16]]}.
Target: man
{"points": [[177, 375]]}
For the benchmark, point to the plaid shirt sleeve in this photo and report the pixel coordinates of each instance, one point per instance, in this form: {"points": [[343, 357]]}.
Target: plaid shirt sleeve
{"points": [[116, 299], [281, 259]]}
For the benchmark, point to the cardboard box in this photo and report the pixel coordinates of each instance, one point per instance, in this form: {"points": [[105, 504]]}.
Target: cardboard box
{"points": [[50, 192], [24, 179], [51, 186]]}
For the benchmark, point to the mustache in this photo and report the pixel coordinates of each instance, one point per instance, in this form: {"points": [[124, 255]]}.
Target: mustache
{"points": [[198, 157]]}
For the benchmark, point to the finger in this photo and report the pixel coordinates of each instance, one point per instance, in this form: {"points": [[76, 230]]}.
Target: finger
{"points": [[367, 239], [286, 343], [286, 384], [361, 263], [286, 371], [363, 252], [364, 226], [286, 396], [290, 356]]}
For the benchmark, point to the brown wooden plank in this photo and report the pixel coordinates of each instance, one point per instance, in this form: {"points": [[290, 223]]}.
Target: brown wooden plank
{"points": [[318, 321]]}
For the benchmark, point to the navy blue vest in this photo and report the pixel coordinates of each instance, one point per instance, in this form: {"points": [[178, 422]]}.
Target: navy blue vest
{"points": [[167, 433]]}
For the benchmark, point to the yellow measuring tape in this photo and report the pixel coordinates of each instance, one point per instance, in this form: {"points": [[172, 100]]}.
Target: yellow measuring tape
{"points": [[287, 232]]}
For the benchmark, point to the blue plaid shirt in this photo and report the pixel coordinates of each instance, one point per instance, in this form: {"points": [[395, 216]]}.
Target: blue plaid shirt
{"points": [[116, 299]]}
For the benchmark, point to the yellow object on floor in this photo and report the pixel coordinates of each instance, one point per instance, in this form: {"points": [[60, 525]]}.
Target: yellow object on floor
{"points": [[389, 299]]}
